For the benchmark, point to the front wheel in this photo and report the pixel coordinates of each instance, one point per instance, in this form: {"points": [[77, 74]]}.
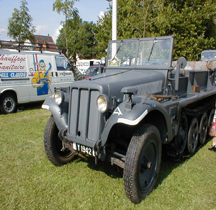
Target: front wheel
{"points": [[53, 145], [142, 163], [8, 104]]}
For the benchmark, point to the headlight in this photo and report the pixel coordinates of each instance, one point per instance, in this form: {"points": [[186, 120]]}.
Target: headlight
{"points": [[102, 103], [59, 98]]}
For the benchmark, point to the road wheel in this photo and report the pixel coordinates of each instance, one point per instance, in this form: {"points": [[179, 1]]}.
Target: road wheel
{"points": [[182, 134], [8, 104], [53, 145], [193, 135], [210, 120], [142, 163], [203, 128]]}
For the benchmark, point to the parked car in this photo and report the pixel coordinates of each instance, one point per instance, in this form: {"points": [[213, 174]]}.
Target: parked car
{"points": [[93, 70], [208, 55]]}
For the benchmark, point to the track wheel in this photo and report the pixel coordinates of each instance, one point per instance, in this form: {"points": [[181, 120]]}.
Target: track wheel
{"points": [[193, 135], [142, 163], [203, 128], [53, 145], [182, 134]]}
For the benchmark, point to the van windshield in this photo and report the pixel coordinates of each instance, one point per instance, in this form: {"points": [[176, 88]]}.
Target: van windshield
{"points": [[140, 52], [62, 63]]}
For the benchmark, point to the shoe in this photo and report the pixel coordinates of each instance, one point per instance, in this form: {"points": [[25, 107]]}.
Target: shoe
{"points": [[213, 148]]}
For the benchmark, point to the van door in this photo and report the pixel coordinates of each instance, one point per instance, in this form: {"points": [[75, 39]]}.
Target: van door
{"points": [[62, 76], [14, 75], [40, 67]]}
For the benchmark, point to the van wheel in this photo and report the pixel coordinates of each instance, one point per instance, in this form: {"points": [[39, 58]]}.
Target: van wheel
{"points": [[8, 104], [53, 145], [142, 163]]}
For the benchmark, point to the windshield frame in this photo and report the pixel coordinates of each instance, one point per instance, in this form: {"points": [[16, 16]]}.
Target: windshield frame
{"points": [[136, 44]]}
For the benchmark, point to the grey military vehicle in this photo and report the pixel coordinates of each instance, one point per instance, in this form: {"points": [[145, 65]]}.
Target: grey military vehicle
{"points": [[126, 114]]}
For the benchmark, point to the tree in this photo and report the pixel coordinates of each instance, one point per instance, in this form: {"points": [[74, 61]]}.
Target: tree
{"points": [[67, 8], [85, 43], [20, 24], [192, 23], [81, 38], [104, 33], [133, 21], [73, 26]]}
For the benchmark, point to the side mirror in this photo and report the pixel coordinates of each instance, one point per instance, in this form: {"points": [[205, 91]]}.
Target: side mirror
{"points": [[181, 63]]}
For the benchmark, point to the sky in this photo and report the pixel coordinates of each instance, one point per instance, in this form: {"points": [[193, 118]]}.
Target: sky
{"points": [[45, 20]]}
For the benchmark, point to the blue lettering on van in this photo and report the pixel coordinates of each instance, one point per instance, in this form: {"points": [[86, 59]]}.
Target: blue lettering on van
{"points": [[13, 74]]}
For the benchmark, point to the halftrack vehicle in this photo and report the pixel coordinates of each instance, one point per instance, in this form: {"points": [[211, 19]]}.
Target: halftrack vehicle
{"points": [[143, 100]]}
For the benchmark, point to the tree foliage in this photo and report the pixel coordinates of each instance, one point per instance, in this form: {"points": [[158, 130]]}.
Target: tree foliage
{"points": [[66, 8], [191, 22], [20, 24], [81, 37]]}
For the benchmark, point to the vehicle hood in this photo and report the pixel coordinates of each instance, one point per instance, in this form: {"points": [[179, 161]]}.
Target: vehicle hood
{"points": [[111, 82]]}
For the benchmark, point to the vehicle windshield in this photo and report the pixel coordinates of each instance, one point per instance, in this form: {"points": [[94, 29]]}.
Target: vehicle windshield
{"points": [[140, 52], [62, 63], [208, 55], [92, 71]]}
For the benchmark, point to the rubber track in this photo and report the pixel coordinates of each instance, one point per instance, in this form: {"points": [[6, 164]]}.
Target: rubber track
{"points": [[200, 109]]}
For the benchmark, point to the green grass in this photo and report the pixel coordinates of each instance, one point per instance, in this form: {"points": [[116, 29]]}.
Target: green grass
{"points": [[29, 181]]}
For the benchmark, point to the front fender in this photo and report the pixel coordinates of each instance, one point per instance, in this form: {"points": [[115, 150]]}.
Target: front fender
{"points": [[59, 117], [134, 117]]}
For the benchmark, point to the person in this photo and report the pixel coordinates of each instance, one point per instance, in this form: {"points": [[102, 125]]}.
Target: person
{"points": [[213, 147], [213, 133]]}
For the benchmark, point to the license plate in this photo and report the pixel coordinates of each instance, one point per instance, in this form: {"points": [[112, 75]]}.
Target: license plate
{"points": [[83, 149]]}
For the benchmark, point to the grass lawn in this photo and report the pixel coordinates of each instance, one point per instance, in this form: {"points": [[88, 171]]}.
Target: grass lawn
{"points": [[29, 181]]}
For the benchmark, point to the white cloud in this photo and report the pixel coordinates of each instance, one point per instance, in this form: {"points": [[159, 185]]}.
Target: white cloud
{"points": [[101, 15], [56, 33], [3, 34], [41, 30], [2, 30]]}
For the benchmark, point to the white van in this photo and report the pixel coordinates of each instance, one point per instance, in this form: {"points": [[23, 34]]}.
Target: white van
{"points": [[83, 65], [29, 76]]}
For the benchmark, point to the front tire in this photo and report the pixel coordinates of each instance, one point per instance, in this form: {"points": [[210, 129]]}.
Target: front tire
{"points": [[142, 163], [8, 104], [53, 145]]}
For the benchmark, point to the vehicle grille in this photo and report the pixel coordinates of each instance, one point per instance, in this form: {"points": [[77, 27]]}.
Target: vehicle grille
{"points": [[85, 120]]}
